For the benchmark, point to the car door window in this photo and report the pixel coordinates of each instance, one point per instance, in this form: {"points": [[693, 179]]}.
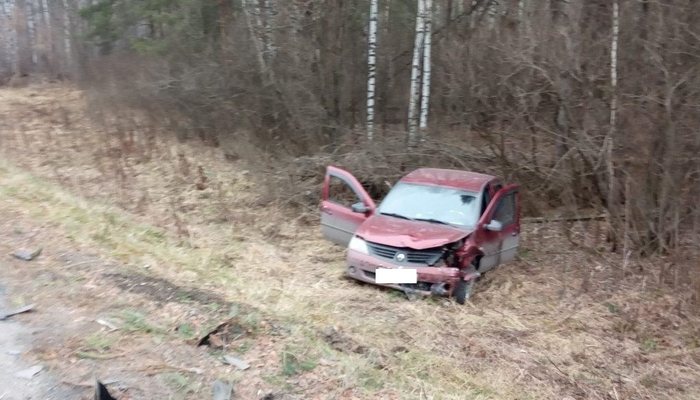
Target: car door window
{"points": [[505, 211], [341, 193], [486, 199]]}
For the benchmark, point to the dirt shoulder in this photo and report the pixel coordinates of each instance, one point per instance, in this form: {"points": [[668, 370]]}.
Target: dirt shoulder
{"points": [[16, 362], [133, 235]]}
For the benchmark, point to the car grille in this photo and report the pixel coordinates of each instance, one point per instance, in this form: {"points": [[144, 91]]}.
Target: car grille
{"points": [[427, 257]]}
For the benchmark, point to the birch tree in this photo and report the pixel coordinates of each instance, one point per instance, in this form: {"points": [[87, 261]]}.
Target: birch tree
{"points": [[23, 39], [8, 42], [371, 66], [427, 44], [31, 30], [613, 103], [260, 29], [415, 94], [67, 48]]}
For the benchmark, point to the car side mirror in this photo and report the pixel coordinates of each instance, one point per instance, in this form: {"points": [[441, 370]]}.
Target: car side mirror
{"points": [[494, 226], [359, 207]]}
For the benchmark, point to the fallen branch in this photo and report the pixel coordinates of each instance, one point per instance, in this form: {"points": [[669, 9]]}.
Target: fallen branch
{"points": [[673, 353], [98, 356], [156, 369], [544, 220]]}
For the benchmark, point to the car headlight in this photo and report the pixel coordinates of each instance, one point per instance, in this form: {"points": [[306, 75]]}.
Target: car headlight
{"points": [[358, 245]]}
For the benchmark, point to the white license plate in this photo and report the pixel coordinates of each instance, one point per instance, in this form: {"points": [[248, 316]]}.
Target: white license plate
{"points": [[386, 275]]}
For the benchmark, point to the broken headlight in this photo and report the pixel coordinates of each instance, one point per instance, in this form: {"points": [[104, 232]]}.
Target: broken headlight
{"points": [[450, 254], [358, 245]]}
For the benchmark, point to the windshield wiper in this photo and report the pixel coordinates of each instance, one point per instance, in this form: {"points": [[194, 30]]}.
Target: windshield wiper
{"points": [[434, 221], [395, 215]]}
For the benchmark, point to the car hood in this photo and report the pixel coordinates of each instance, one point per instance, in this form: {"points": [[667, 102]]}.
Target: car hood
{"points": [[417, 235]]}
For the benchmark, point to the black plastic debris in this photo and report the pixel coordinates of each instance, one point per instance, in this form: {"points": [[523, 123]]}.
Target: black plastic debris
{"points": [[223, 334], [101, 392], [23, 309], [27, 255], [222, 390]]}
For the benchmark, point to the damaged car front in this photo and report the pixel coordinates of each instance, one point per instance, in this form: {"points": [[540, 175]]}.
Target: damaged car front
{"points": [[434, 233], [417, 241]]}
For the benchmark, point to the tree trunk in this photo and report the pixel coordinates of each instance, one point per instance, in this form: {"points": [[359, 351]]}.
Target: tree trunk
{"points": [[425, 90], [251, 11], [414, 99], [8, 41], [31, 31], [67, 48], [24, 43], [613, 105], [610, 163], [371, 66], [268, 16]]}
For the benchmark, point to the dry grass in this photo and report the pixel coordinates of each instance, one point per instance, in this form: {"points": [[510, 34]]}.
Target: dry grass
{"points": [[560, 322]]}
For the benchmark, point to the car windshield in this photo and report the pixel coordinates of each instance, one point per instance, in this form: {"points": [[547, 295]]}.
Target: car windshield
{"points": [[435, 204]]}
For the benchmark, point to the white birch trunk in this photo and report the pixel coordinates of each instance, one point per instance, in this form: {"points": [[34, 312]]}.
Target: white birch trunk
{"points": [[427, 43], [31, 28], [22, 41], [45, 16], [251, 10], [269, 13], [416, 74], [262, 12], [371, 66], [47, 43], [8, 42], [613, 101], [492, 14], [521, 10], [67, 35]]}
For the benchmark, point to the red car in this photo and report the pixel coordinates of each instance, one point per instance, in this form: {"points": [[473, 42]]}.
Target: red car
{"points": [[434, 233]]}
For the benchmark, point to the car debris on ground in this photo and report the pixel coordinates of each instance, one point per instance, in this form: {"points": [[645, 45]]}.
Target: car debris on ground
{"points": [[29, 372], [222, 390], [101, 392], [236, 362], [20, 310], [112, 327], [27, 255], [224, 333]]}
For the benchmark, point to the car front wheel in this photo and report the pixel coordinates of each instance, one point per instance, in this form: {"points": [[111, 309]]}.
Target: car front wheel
{"points": [[463, 291]]}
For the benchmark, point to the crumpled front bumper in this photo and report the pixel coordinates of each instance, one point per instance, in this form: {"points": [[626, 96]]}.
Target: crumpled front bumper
{"points": [[438, 280]]}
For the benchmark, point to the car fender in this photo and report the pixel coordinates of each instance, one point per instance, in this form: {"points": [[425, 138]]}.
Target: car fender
{"points": [[467, 256]]}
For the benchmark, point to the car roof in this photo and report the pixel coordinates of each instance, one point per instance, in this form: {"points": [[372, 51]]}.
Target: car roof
{"points": [[471, 181]]}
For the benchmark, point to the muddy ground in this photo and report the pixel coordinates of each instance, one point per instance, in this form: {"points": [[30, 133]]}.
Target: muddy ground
{"points": [[162, 241]]}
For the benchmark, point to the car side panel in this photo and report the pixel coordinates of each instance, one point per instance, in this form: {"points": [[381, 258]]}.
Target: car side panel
{"points": [[338, 221]]}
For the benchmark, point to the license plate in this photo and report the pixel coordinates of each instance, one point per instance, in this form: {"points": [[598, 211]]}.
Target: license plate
{"points": [[404, 275]]}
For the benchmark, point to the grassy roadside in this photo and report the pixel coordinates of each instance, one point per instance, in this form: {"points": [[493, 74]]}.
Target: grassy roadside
{"points": [[559, 323], [404, 373]]}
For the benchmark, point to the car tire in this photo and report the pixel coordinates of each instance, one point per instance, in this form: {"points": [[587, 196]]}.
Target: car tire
{"points": [[463, 291]]}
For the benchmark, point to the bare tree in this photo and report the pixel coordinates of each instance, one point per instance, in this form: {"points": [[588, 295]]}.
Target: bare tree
{"points": [[414, 100], [613, 104], [427, 44], [371, 66], [252, 13], [67, 29], [24, 42]]}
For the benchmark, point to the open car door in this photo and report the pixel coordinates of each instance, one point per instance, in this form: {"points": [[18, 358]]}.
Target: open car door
{"points": [[499, 228], [344, 205]]}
